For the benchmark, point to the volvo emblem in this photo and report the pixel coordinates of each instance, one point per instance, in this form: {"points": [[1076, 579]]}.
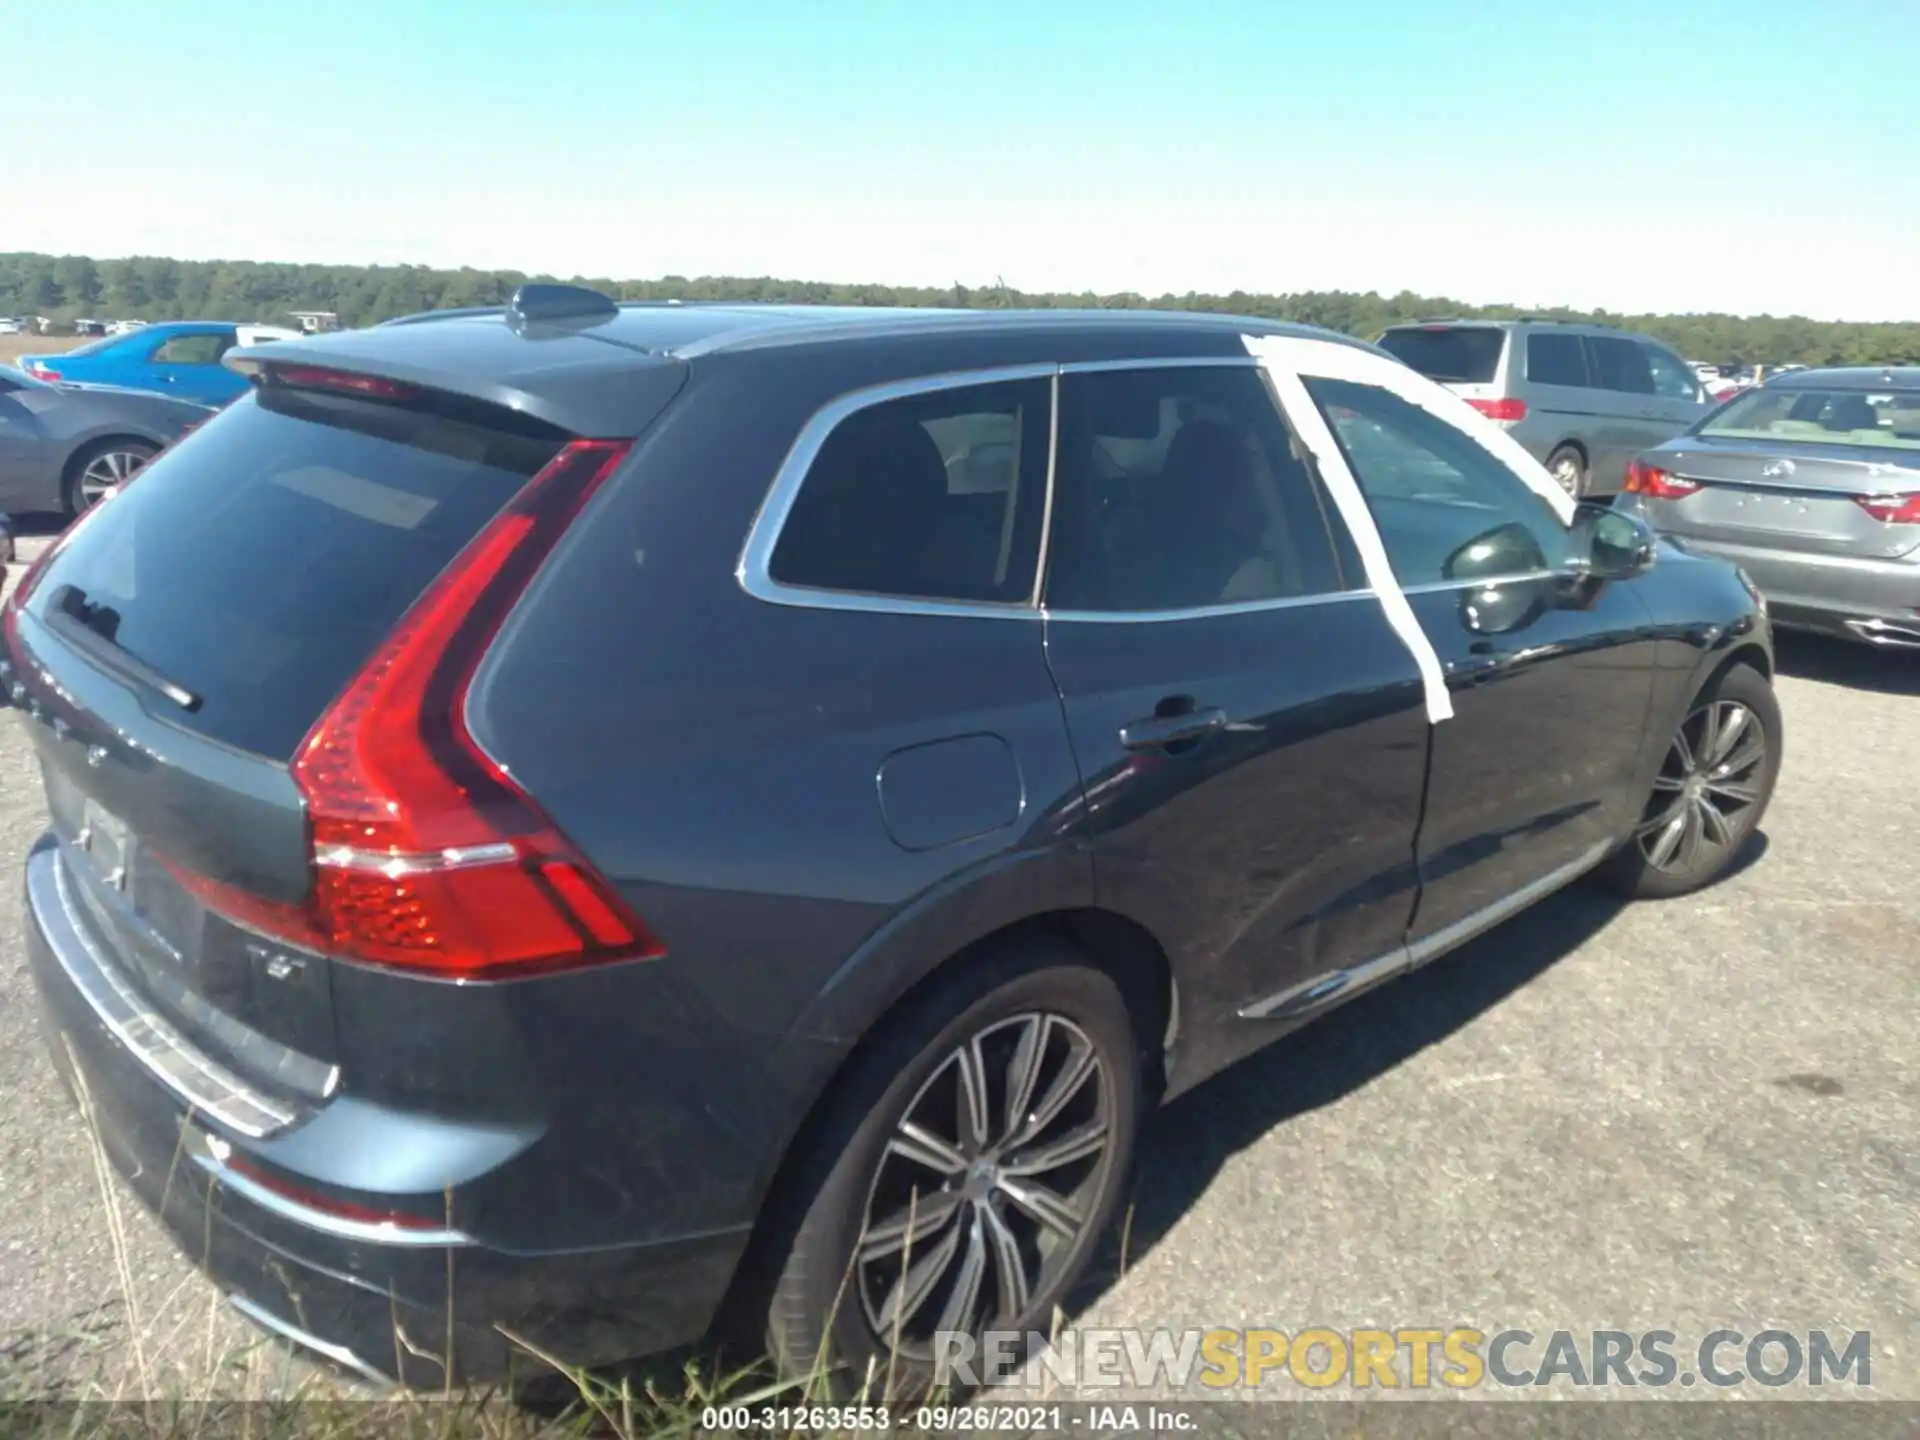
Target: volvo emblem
{"points": [[1776, 469]]}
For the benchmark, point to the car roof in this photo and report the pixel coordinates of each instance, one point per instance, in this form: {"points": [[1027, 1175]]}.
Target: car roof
{"points": [[561, 370], [1849, 377]]}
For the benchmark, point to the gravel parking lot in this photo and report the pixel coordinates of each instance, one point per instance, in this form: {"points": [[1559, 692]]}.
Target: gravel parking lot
{"points": [[1691, 1115]]}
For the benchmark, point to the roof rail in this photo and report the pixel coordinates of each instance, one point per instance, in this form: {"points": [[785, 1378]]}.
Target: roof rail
{"points": [[536, 302]]}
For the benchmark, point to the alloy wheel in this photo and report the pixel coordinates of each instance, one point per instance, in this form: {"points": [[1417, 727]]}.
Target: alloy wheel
{"points": [[105, 473], [1709, 783], [987, 1184]]}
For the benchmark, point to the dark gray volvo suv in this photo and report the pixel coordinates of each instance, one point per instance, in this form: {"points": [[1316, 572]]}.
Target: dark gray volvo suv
{"points": [[578, 819]]}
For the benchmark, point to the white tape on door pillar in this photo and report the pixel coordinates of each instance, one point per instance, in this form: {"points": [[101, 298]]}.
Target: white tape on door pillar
{"points": [[1282, 358]]}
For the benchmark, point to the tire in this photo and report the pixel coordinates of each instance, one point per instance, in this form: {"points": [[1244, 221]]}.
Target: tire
{"points": [[93, 465], [1675, 849], [834, 1316], [1569, 469]]}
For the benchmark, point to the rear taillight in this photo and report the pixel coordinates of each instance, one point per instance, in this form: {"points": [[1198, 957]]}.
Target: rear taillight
{"points": [[1509, 409], [426, 854], [1893, 509], [43, 372], [1657, 484]]}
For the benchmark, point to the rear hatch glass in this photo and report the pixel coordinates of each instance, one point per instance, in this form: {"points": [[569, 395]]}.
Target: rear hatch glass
{"points": [[186, 638], [257, 566], [1451, 354]]}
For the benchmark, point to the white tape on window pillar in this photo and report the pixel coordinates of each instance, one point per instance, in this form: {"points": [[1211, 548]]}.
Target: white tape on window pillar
{"points": [[1281, 358]]}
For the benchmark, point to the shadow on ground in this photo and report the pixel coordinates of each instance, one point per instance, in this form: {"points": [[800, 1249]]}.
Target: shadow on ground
{"points": [[1185, 1146], [1842, 662]]}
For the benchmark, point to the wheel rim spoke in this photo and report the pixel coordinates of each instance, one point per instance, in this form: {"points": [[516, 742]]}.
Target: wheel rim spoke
{"points": [[958, 1314], [1078, 1069], [1023, 1073], [911, 1229], [1737, 791], [1665, 818], [1733, 724], [1053, 1211], [1684, 750], [911, 1290], [1660, 851], [1688, 852], [1713, 825], [1749, 752], [923, 1147], [1076, 1144], [1009, 1266], [975, 1119]]}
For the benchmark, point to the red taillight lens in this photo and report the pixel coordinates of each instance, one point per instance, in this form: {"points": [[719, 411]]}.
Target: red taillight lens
{"points": [[314, 377], [1657, 484], [426, 853], [44, 372], [1893, 509], [1508, 409]]}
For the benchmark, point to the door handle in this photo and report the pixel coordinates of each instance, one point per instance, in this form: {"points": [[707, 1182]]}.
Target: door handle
{"points": [[1158, 732]]}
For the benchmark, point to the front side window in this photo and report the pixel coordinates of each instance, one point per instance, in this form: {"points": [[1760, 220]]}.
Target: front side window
{"points": [[192, 350], [1446, 507], [936, 496], [1672, 380], [1620, 365], [1181, 489], [1557, 360]]}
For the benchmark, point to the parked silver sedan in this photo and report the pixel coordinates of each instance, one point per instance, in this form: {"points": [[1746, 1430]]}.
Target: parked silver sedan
{"points": [[1811, 484], [62, 447]]}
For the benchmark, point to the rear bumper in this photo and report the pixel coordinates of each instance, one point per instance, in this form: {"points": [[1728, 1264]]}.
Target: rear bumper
{"points": [[384, 1302], [1877, 601]]}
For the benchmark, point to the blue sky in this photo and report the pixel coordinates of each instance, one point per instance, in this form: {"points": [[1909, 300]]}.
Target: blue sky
{"points": [[1641, 154]]}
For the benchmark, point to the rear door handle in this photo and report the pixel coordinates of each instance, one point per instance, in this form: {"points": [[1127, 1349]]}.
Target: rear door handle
{"points": [[1157, 732]]}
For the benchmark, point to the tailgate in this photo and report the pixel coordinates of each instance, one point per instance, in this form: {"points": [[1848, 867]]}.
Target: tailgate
{"points": [[177, 646]]}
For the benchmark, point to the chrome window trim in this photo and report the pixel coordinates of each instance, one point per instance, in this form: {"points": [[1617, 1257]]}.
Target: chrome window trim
{"points": [[1519, 577], [1205, 612], [753, 572], [1177, 362]]}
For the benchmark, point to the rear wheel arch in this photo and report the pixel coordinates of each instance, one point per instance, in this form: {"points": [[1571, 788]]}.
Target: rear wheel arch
{"points": [[84, 455], [1112, 943]]}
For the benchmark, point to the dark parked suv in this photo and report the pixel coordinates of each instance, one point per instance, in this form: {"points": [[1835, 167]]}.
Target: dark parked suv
{"points": [[585, 813]]}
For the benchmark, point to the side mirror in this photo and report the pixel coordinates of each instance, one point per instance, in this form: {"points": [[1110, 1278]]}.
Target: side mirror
{"points": [[1611, 545], [1509, 549]]}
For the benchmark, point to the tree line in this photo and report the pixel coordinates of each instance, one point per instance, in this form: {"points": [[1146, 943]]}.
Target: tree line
{"points": [[69, 287]]}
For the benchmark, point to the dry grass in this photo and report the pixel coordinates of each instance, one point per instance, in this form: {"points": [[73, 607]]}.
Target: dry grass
{"points": [[12, 347]]}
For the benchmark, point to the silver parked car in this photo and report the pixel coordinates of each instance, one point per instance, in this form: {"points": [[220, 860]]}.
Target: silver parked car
{"points": [[1583, 399], [64, 446], [1811, 484]]}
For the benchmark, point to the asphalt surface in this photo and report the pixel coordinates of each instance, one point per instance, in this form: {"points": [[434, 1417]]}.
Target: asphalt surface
{"points": [[1689, 1116]]}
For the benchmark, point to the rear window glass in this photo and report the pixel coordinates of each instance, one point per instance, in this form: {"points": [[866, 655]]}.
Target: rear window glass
{"points": [[1460, 354], [1826, 417], [259, 564], [935, 496]]}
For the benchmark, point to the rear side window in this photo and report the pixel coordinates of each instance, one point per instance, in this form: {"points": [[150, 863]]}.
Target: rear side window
{"points": [[1671, 377], [1456, 354], [259, 564], [1620, 365], [1181, 489], [929, 497], [192, 350], [1557, 360]]}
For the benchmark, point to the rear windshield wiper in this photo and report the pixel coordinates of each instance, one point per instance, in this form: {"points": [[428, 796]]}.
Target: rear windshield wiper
{"points": [[89, 628]]}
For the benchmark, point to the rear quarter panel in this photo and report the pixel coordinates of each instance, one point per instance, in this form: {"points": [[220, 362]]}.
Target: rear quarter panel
{"points": [[719, 758]]}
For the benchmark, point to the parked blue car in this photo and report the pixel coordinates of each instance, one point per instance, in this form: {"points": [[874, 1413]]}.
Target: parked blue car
{"points": [[179, 358]]}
